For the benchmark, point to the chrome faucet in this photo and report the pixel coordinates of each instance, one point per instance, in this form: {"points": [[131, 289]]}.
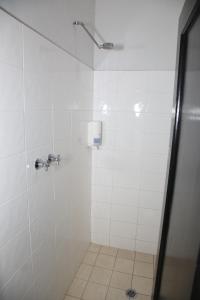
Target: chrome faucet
{"points": [[54, 158], [40, 163]]}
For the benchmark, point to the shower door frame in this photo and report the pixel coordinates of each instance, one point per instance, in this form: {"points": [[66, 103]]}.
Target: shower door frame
{"points": [[190, 12]]}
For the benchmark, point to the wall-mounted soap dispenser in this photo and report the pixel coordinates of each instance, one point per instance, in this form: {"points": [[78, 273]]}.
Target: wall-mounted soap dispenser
{"points": [[95, 134]]}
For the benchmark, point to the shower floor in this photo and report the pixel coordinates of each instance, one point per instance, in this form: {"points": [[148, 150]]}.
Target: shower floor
{"points": [[106, 273]]}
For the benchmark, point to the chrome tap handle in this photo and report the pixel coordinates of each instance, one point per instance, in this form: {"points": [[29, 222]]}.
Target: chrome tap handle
{"points": [[54, 158], [39, 164]]}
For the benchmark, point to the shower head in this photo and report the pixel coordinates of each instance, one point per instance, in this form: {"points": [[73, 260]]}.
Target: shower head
{"points": [[106, 46]]}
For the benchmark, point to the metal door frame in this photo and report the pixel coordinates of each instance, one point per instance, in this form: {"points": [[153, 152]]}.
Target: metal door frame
{"points": [[190, 12]]}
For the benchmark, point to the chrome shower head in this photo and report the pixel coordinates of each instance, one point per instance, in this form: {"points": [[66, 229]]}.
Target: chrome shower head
{"points": [[107, 46]]}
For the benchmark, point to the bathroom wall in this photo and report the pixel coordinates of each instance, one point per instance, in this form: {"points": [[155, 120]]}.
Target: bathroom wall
{"points": [[133, 93], [54, 19], [45, 103], [144, 33]]}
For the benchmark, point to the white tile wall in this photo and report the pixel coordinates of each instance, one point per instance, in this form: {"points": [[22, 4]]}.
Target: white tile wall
{"points": [[129, 169], [45, 103]]}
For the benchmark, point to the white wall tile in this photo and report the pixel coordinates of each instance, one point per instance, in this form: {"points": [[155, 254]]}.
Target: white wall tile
{"points": [[103, 159], [100, 226], [20, 284], [124, 213], [155, 163], [13, 218], [160, 102], [11, 90], [42, 229], [41, 200], [147, 233], [13, 177], [160, 81], [38, 90], [38, 128], [62, 125], [155, 143], [10, 40], [152, 181], [43, 267], [123, 229], [101, 194], [101, 210], [122, 243], [102, 177], [12, 139], [126, 178], [125, 196], [149, 199], [153, 123], [10, 259], [146, 247], [149, 217], [100, 238]]}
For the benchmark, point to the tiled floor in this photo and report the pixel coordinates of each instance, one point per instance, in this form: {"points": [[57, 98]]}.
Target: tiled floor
{"points": [[106, 273]]}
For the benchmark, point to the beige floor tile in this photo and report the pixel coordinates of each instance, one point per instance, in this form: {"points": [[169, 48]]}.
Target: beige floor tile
{"points": [[94, 248], [143, 269], [95, 291], [105, 261], [71, 298], [142, 285], [84, 272], [124, 265], [116, 294], [101, 276], [77, 288], [121, 280], [108, 251], [90, 258], [126, 254], [144, 257], [142, 297]]}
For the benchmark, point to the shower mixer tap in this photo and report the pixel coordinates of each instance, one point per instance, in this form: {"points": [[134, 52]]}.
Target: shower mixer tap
{"points": [[54, 158], [42, 164]]}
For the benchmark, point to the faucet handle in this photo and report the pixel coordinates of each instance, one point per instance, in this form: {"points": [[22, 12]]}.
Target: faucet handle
{"points": [[40, 163], [54, 158]]}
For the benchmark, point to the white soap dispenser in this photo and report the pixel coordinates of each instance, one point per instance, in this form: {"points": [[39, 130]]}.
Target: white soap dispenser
{"points": [[95, 134]]}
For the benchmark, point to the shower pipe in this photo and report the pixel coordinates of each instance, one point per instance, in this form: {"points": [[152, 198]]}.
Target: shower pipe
{"points": [[105, 46]]}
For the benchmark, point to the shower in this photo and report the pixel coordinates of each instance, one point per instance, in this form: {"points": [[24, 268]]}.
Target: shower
{"points": [[85, 149], [105, 46]]}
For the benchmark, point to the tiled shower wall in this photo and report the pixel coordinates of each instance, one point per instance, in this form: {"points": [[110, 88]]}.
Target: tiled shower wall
{"points": [[129, 170], [45, 102]]}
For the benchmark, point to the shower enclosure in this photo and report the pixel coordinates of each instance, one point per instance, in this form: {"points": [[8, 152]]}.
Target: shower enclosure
{"points": [[86, 92]]}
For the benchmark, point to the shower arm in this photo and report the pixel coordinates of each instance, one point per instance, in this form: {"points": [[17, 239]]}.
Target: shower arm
{"points": [[100, 46], [87, 31]]}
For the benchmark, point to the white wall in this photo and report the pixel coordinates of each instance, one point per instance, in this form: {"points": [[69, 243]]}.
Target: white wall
{"points": [[133, 92], [145, 29], [45, 102], [129, 169], [54, 20]]}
